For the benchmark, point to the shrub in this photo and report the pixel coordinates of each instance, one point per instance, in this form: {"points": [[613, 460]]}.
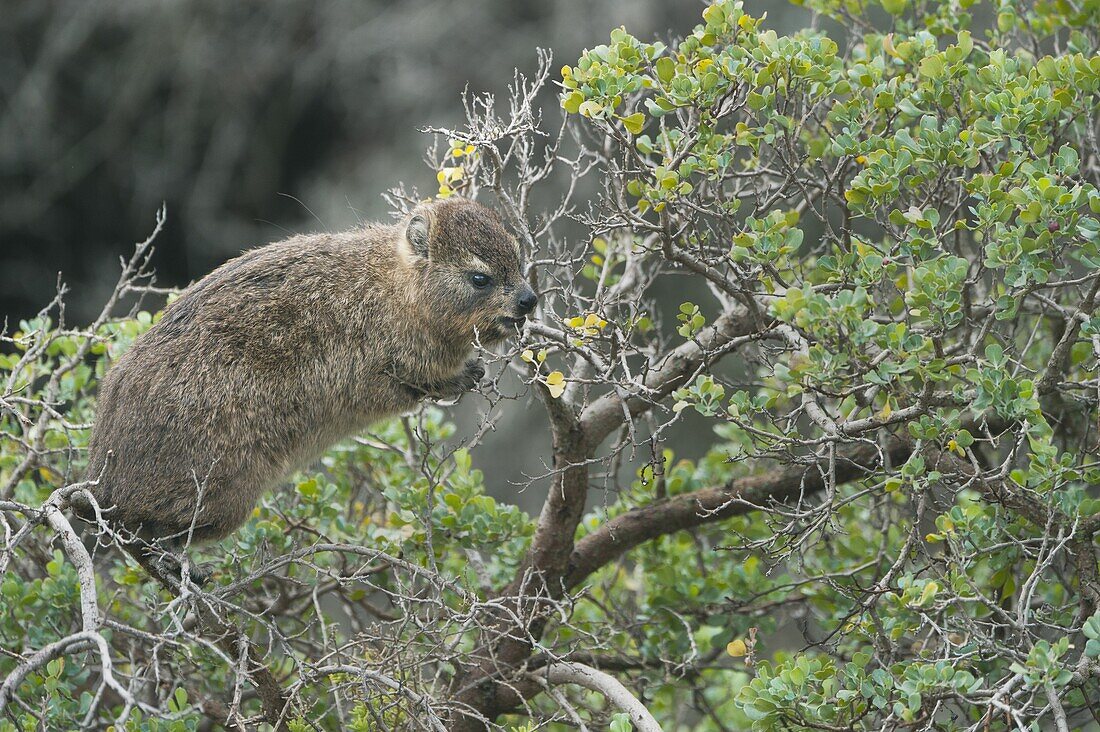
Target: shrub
{"points": [[889, 242]]}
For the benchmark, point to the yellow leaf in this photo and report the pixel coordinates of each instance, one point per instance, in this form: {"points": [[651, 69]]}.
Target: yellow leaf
{"points": [[555, 383], [737, 648], [634, 123], [594, 321], [590, 108], [888, 45], [928, 593], [886, 411], [528, 355]]}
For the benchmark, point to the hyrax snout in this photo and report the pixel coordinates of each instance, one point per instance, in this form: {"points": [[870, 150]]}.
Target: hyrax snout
{"points": [[272, 357]]}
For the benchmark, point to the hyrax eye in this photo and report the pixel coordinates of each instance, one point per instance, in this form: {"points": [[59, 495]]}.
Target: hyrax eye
{"points": [[480, 280]]}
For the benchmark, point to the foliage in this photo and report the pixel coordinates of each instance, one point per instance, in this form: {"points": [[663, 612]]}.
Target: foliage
{"points": [[889, 242], [948, 301]]}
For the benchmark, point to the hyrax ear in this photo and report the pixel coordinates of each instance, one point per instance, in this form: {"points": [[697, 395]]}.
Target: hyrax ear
{"points": [[417, 234]]}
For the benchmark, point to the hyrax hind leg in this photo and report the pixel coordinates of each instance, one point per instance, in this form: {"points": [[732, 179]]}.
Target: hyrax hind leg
{"points": [[164, 558]]}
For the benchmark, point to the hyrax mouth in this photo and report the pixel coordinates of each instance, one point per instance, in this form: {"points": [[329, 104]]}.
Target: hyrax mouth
{"points": [[513, 324]]}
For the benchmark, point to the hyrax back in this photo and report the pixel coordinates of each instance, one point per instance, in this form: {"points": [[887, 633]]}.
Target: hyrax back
{"points": [[268, 360]]}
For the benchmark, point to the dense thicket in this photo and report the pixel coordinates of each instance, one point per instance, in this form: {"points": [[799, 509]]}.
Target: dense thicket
{"points": [[894, 524]]}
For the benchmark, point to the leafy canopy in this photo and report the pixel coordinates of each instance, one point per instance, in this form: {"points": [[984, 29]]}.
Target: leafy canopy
{"points": [[889, 361]]}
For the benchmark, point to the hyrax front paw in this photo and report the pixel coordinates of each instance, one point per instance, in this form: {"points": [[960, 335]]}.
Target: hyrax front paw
{"points": [[472, 374], [465, 380]]}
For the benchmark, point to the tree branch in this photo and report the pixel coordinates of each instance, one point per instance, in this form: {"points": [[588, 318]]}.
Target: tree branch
{"points": [[734, 498], [609, 686], [605, 414]]}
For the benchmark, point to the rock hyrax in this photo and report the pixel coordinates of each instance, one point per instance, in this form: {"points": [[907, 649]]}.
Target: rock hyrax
{"points": [[268, 360]]}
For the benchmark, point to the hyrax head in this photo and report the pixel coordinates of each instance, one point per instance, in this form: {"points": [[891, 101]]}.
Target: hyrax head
{"points": [[473, 271]]}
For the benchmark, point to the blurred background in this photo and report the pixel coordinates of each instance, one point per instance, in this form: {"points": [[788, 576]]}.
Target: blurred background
{"points": [[240, 116], [251, 121]]}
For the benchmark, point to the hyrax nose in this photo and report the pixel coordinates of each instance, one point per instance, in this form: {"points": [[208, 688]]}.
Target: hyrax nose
{"points": [[527, 301]]}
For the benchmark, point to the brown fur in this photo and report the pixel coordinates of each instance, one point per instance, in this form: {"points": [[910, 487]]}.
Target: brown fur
{"points": [[268, 360]]}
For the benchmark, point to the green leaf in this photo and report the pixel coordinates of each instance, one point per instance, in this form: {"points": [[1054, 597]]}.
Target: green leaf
{"points": [[932, 66], [634, 123], [620, 722], [666, 68], [572, 102], [1092, 627]]}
